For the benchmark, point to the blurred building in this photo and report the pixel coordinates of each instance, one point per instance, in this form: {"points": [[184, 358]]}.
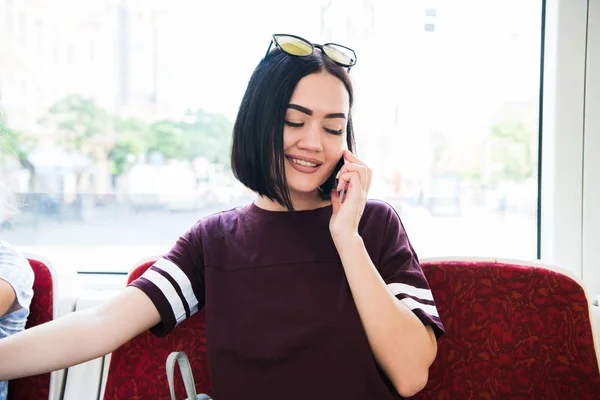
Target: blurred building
{"points": [[103, 49], [139, 55]]}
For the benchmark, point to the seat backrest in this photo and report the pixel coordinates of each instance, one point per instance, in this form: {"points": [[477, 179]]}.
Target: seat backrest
{"points": [[512, 332], [137, 369], [41, 310]]}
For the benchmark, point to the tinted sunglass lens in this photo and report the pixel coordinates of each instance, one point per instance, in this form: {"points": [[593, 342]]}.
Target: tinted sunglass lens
{"points": [[293, 45], [340, 54]]}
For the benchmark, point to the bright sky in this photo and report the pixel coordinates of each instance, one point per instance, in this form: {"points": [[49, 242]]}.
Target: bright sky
{"points": [[218, 44]]}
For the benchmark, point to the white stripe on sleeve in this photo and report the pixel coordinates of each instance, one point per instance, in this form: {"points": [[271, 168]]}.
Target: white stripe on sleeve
{"points": [[169, 291], [399, 288], [182, 280], [412, 304]]}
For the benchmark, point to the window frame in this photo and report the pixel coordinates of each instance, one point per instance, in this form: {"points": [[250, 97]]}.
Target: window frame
{"points": [[570, 132]]}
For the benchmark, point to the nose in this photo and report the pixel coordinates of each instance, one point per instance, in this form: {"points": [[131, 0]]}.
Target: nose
{"points": [[311, 138]]}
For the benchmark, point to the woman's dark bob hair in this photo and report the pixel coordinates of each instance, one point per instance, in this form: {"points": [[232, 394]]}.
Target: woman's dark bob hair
{"points": [[258, 129]]}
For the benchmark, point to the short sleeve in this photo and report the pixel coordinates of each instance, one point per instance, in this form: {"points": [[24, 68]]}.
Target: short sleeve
{"points": [[400, 268], [175, 283], [15, 269]]}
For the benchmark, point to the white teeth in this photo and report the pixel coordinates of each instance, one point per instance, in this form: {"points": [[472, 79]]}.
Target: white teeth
{"points": [[302, 162]]}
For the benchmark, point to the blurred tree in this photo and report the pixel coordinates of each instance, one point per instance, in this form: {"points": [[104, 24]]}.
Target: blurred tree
{"points": [[512, 147], [9, 140], [13, 143], [475, 162], [166, 137], [207, 135], [131, 138], [199, 134], [79, 118]]}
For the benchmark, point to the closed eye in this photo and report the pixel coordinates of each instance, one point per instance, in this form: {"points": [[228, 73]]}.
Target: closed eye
{"points": [[333, 131], [294, 124]]}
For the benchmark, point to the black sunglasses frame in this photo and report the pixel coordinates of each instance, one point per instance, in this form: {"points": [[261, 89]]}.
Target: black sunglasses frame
{"points": [[313, 46]]}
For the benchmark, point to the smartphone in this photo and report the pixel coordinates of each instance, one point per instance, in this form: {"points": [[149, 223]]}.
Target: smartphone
{"points": [[337, 169]]}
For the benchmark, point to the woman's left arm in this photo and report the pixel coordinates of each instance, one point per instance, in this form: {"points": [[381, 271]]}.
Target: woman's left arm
{"points": [[403, 346]]}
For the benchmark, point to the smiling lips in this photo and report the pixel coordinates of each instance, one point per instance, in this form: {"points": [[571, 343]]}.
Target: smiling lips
{"points": [[304, 165]]}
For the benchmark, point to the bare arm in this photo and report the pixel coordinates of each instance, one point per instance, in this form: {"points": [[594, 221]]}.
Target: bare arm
{"points": [[7, 298], [402, 345], [77, 337]]}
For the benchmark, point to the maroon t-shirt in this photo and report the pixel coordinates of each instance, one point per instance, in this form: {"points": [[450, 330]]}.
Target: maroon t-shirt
{"points": [[281, 320]]}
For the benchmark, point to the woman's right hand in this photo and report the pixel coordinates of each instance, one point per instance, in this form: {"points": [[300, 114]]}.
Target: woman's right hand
{"points": [[77, 337]]}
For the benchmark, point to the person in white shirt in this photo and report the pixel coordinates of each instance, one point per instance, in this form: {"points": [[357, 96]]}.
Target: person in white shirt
{"points": [[16, 292]]}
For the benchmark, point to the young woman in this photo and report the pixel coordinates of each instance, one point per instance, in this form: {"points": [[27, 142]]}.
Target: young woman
{"points": [[311, 291]]}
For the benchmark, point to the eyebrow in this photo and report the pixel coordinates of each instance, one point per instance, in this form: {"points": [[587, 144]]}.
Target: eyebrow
{"points": [[308, 111]]}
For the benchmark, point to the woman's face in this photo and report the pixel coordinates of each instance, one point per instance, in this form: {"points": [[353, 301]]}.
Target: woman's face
{"points": [[314, 134]]}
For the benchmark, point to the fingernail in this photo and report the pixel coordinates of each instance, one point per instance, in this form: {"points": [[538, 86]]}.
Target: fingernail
{"points": [[338, 174]]}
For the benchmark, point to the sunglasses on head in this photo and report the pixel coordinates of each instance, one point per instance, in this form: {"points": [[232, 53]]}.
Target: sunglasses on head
{"points": [[299, 47]]}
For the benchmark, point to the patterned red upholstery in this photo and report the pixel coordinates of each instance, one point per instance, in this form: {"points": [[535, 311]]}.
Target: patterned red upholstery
{"points": [[513, 332], [38, 386], [137, 369]]}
